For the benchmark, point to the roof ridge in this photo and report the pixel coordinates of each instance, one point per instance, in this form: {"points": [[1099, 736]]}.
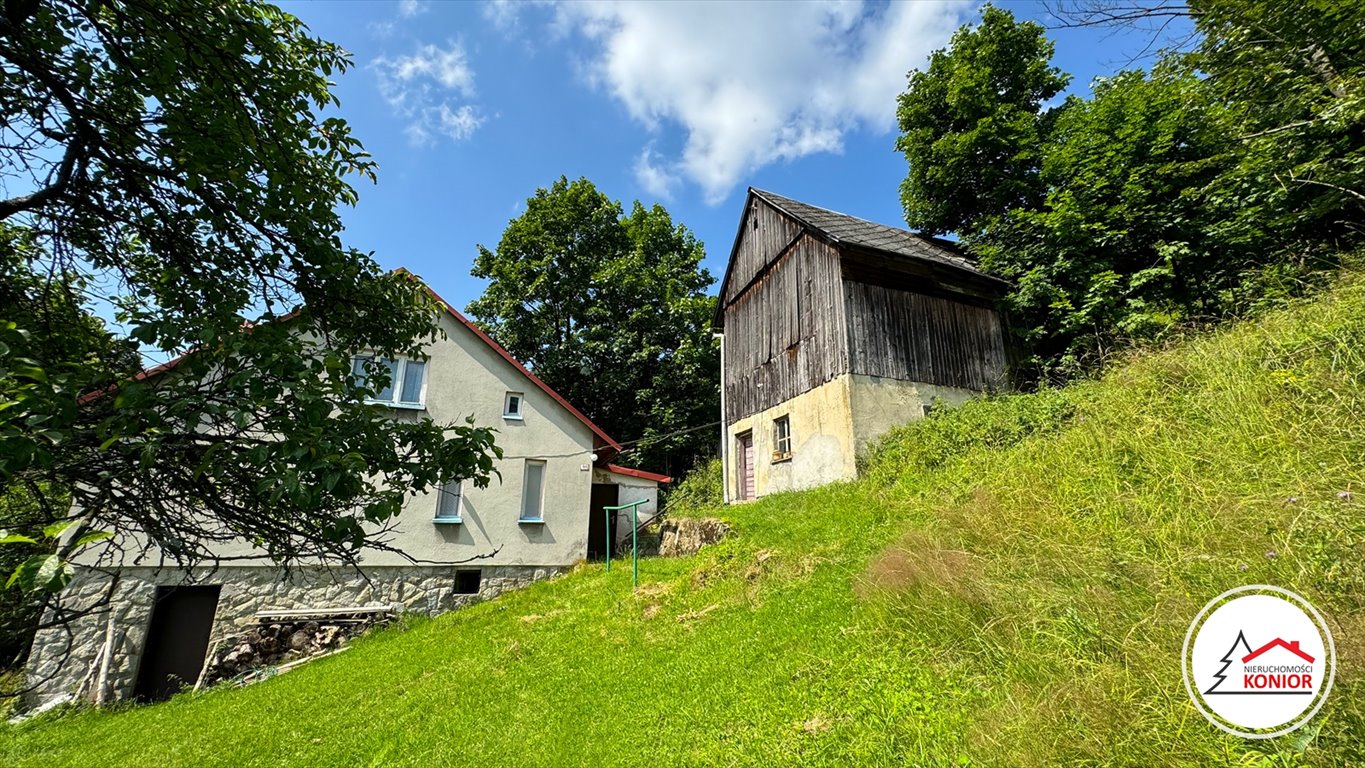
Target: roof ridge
{"points": [[764, 192]]}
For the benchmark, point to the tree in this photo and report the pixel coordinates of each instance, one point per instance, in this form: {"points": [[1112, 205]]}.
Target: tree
{"points": [[610, 310], [1294, 76], [1217, 183], [174, 171], [973, 125], [1121, 247]]}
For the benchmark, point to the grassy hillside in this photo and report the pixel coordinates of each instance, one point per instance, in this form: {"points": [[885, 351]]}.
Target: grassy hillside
{"points": [[1009, 584]]}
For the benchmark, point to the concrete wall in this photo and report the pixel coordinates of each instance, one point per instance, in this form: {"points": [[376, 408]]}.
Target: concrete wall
{"points": [[62, 662], [822, 442], [830, 426], [879, 404]]}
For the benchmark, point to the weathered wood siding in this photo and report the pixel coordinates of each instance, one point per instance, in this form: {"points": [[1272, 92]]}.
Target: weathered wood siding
{"points": [[766, 233], [785, 335], [903, 335]]}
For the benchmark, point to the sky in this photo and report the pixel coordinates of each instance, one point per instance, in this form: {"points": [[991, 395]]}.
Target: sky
{"points": [[469, 107]]}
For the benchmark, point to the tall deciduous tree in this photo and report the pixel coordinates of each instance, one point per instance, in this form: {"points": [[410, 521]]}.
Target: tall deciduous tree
{"points": [[1224, 177], [973, 125], [169, 158], [609, 308]]}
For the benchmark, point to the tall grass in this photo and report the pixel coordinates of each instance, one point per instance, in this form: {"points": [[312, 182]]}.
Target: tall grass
{"points": [[1009, 584]]}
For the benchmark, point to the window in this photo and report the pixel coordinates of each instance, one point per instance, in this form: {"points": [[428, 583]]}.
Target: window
{"points": [[512, 405], [533, 492], [407, 379], [448, 503], [782, 438], [467, 582]]}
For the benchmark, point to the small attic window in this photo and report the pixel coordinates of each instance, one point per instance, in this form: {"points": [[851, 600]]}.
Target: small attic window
{"points": [[512, 405]]}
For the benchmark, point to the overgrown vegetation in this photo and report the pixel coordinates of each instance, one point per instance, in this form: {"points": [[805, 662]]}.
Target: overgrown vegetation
{"points": [[1223, 180], [1010, 584]]}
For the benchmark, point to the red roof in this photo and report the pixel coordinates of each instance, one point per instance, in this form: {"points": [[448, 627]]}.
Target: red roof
{"points": [[605, 439], [496, 347], [1278, 643], [640, 473]]}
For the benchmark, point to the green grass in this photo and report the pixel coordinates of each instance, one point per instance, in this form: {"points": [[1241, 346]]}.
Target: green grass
{"points": [[1009, 584]]}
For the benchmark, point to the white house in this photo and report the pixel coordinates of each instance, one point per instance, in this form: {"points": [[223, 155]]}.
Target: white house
{"points": [[543, 516]]}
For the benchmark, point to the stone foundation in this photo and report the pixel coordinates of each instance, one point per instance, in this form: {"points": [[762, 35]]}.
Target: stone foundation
{"points": [[69, 662]]}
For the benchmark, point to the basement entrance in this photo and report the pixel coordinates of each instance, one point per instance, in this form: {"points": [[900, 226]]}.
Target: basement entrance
{"points": [[177, 641], [603, 495]]}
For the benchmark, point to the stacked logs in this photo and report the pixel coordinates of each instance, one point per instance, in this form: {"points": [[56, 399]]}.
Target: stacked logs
{"points": [[279, 642]]}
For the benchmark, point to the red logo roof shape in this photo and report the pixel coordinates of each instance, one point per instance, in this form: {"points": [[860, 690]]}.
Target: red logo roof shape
{"points": [[1278, 643]]}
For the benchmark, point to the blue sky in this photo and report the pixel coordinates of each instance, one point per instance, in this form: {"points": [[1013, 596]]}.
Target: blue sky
{"points": [[469, 107]]}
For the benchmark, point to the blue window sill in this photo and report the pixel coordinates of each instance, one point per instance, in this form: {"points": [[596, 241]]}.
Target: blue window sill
{"points": [[448, 520], [531, 520]]}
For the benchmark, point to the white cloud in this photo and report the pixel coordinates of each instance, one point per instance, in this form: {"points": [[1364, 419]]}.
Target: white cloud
{"points": [[755, 83], [409, 8], [502, 14], [655, 179], [420, 87]]}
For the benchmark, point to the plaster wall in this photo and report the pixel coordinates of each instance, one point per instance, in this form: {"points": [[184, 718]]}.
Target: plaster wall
{"points": [[880, 404], [465, 377], [822, 442]]}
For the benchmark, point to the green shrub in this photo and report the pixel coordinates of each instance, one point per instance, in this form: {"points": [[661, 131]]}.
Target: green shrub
{"points": [[698, 493]]}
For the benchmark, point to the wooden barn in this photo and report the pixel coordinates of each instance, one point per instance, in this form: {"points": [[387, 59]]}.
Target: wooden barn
{"points": [[836, 329]]}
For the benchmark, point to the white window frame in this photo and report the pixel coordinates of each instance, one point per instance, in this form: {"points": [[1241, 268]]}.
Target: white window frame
{"points": [[540, 500], [507, 412], [782, 444], [396, 385], [449, 490]]}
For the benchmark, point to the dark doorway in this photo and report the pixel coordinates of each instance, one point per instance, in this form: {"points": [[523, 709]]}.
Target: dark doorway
{"points": [[603, 495], [177, 641]]}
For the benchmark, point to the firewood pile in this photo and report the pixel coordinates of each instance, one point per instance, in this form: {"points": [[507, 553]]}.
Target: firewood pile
{"points": [[282, 642]]}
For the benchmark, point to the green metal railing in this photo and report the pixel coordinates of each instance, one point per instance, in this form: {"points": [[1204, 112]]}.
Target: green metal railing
{"points": [[634, 508]]}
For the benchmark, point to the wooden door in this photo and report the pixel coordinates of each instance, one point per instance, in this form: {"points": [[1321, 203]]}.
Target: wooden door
{"points": [[177, 641], [746, 466]]}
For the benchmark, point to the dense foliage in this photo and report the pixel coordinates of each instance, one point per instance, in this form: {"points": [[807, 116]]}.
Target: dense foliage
{"points": [[609, 308], [1223, 179], [175, 173]]}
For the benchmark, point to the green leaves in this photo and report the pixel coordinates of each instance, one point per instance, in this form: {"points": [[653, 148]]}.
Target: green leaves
{"points": [[195, 191], [973, 124], [41, 572], [1209, 186], [610, 309]]}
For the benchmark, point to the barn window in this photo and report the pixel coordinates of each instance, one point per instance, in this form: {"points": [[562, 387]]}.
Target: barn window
{"points": [[782, 438]]}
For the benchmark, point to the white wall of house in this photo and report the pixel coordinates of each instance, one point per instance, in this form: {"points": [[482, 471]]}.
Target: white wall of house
{"points": [[467, 377]]}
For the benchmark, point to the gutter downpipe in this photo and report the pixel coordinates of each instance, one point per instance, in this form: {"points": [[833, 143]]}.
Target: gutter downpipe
{"points": [[724, 454]]}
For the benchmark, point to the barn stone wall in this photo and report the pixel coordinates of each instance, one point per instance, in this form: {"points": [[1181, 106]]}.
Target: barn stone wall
{"points": [[69, 662]]}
